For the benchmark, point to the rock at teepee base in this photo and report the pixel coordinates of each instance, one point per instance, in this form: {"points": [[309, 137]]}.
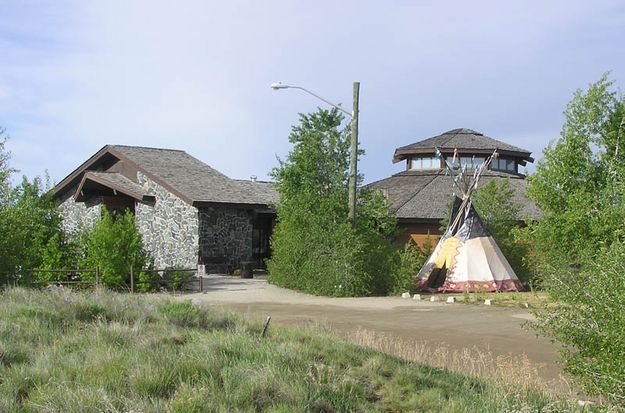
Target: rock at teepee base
{"points": [[417, 297], [405, 295], [433, 299], [451, 300], [487, 302]]}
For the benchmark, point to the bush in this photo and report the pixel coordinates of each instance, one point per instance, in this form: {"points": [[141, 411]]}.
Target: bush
{"points": [[314, 248], [589, 321], [408, 263], [114, 246], [178, 279], [580, 187]]}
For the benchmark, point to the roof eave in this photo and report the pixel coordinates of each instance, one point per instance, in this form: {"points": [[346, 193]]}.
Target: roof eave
{"points": [[90, 177], [401, 154], [64, 185]]}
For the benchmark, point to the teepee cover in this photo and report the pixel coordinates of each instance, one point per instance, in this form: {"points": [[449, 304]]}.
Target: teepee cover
{"points": [[467, 258]]}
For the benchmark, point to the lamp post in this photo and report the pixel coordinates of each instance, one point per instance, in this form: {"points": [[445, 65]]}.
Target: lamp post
{"points": [[353, 154]]}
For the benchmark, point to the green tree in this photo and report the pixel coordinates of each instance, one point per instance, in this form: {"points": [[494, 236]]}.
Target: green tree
{"points": [[580, 187], [315, 249], [579, 182], [28, 219], [114, 246]]}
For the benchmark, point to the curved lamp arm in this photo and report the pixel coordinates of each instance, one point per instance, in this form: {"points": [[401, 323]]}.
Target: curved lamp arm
{"points": [[278, 86]]}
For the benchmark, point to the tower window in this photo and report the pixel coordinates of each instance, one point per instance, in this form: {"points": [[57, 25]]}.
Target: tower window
{"points": [[424, 163]]}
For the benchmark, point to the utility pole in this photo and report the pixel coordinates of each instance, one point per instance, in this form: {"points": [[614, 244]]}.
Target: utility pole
{"points": [[353, 154], [353, 157]]}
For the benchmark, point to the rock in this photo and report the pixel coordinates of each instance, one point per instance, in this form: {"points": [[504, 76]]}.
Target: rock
{"points": [[405, 295], [451, 300], [433, 299], [487, 302], [417, 297]]}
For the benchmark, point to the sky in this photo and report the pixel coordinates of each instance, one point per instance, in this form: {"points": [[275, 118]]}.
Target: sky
{"points": [[195, 75]]}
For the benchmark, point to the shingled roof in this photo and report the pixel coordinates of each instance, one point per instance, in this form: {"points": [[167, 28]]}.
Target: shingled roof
{"points": [[465, 140], [424, 195], [112, 180], [187, 177]]}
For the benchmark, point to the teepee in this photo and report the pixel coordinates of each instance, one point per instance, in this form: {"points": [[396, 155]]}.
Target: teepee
{"points": [[467, 258]]}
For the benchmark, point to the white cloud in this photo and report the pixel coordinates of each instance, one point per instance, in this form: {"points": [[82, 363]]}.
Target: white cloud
{"points": [[194, 75]]}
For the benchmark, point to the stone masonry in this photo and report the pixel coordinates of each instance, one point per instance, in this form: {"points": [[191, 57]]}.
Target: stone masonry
{"points": [[168, 226], [77, 216], [225, 237]]}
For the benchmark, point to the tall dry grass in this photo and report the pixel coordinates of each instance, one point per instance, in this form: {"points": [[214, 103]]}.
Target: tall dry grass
{"points": [[514, 371]]}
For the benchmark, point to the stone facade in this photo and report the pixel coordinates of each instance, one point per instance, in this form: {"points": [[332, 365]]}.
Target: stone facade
{"points": [[76, 216], [225, 237], [169, 227], [173, 231]]}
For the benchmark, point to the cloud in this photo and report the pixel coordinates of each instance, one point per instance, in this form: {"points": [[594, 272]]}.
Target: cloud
{"points": [[194, 75]]}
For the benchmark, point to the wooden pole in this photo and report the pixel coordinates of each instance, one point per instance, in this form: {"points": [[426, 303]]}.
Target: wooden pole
{"points": [[353, 156], [97, 277], [132, 280], [265, 327]]}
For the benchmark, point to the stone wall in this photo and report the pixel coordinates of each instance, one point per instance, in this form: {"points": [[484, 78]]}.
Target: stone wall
{"points": [[169, 227], [76, 216], [225, 237]]}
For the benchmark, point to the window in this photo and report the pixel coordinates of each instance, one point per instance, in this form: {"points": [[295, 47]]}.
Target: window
{"points": [[467, 162], [425, 162], [499, 164]]}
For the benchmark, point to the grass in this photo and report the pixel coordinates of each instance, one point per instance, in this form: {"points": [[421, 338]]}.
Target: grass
{"points": [[105, 352]]}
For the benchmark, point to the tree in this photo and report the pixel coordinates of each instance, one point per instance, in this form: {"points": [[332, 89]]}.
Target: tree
{"points": [[580, 187], [28, 219], [315, 249], [579, 182]]}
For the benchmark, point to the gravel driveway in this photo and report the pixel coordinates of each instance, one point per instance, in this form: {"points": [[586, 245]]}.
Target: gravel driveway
{"points": [[457, 326]]}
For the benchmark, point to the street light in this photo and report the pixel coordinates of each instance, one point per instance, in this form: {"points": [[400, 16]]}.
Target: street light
{"points": [[353, 156]]}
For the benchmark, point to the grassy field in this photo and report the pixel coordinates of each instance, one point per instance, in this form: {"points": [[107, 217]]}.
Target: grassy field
{"points": [[105, 352]]}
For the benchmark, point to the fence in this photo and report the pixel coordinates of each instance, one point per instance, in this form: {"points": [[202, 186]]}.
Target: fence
{"points": [[73, 278]]}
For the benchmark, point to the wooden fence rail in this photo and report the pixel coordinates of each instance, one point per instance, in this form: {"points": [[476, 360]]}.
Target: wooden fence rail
{"points": [[97, 281]]}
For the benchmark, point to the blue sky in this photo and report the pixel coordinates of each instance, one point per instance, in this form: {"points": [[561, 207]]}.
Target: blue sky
{"points": [[195, 75]]}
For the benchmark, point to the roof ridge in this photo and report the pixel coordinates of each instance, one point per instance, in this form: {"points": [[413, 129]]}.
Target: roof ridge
{"points": [[147, 147]]}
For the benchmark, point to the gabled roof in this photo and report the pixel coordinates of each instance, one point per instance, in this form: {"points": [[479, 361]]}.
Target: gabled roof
{"points": [[113, 180], [465, 140], [424, 195], [187, 177]]}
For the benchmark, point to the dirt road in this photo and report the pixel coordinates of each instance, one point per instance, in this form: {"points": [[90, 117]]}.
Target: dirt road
{"points": [[457, 326]]}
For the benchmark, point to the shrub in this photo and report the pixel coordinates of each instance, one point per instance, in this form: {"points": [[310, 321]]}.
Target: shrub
{"points": [[409, 261], [315, 249], [178, 278], [114, 245], [147, 280], [589, 321], [580, 187]]}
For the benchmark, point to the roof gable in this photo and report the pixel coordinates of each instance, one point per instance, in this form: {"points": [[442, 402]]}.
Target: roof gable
{"points": [[187, 177]]}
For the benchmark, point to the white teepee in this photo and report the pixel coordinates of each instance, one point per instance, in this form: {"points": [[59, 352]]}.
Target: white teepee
{"points": [[467, 258]]}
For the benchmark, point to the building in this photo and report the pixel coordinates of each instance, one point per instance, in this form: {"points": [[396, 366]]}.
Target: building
{"points": [[420, 194], [187, 212]]}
